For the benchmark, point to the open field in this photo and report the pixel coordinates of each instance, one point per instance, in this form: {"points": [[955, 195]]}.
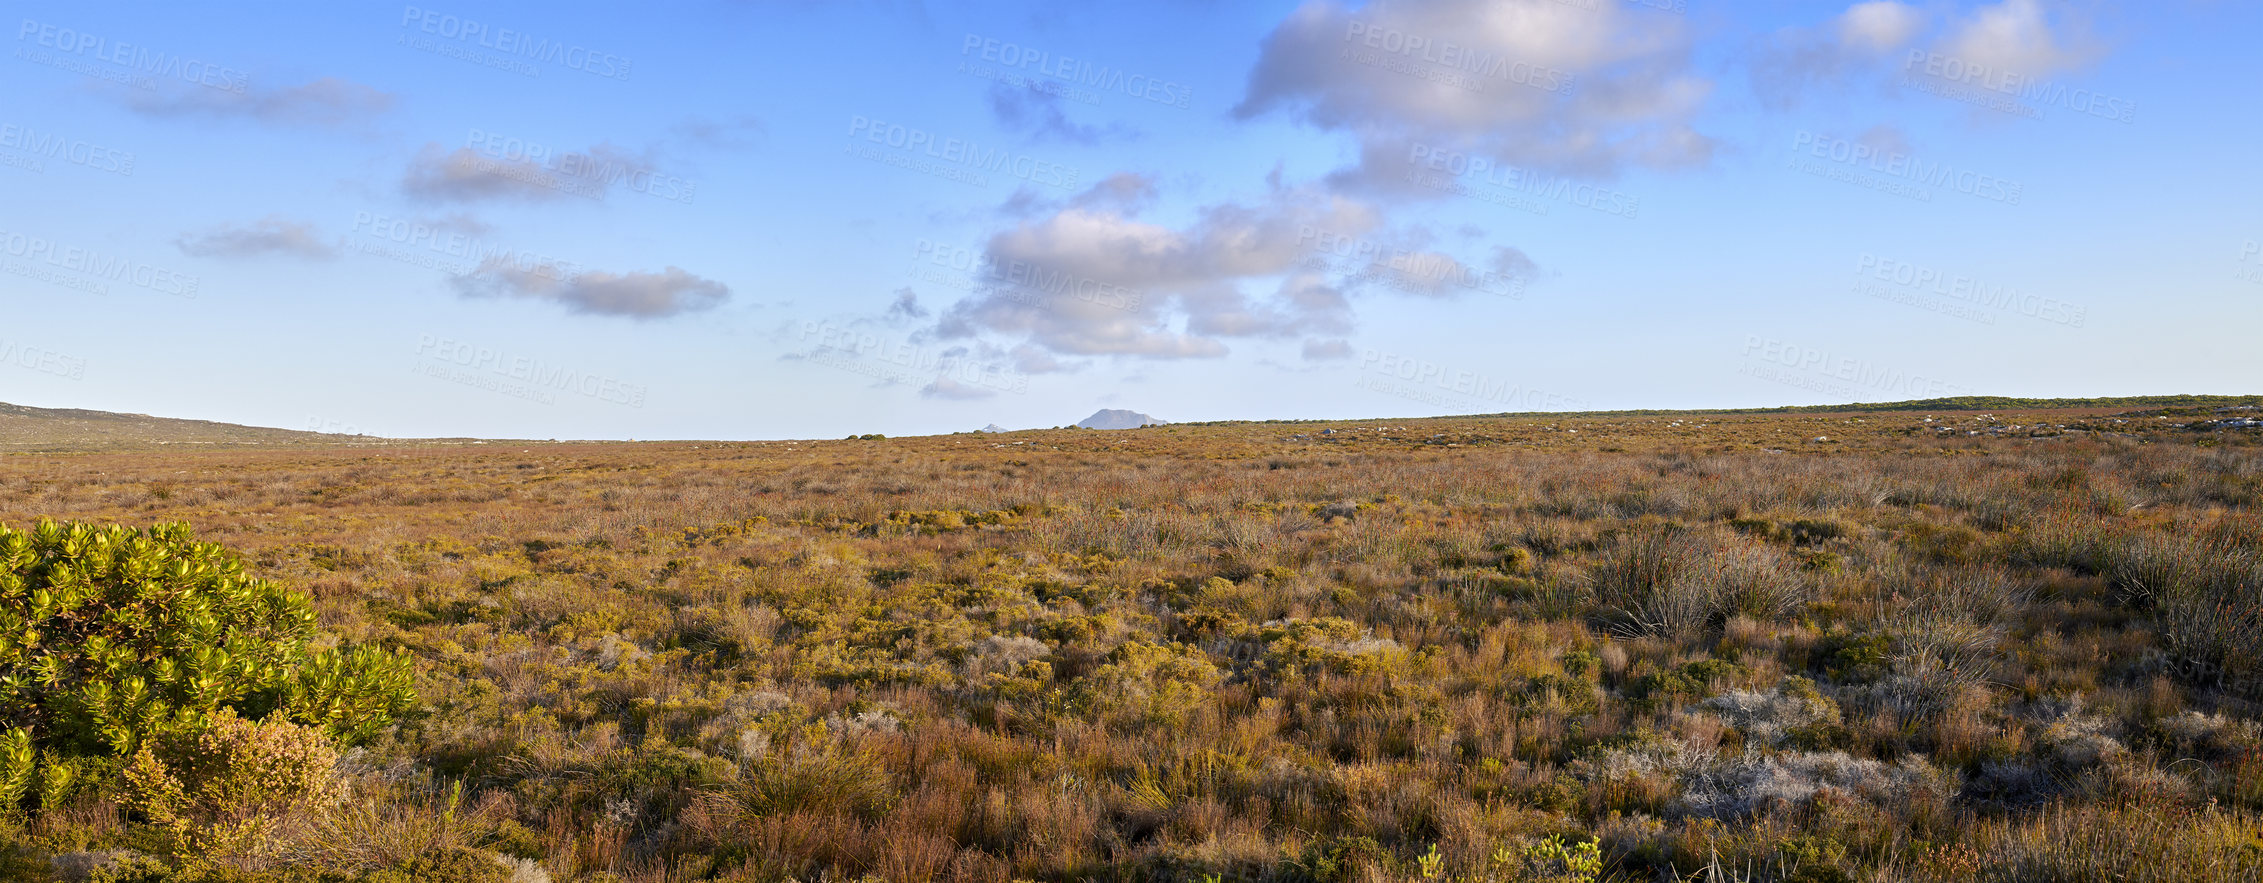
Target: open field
{"points": [[26, 429], [908, 441], [1832, 645]]}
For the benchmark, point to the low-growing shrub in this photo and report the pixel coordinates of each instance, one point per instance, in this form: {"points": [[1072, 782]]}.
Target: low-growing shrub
{"points": [[2134, 844], [1794, 708], [1677, 583], [111, 637], [1790, 781], [238, 791], [1690, 681]]}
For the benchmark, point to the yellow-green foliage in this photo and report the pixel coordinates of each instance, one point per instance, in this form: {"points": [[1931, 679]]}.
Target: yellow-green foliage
{"points": [[1328, 643], [110, 637], [1553, 861], [230, 791], [1157, 682]]}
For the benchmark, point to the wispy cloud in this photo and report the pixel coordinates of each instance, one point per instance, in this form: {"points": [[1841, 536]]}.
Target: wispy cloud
{"points": [[437, 174], [1038, 114], [743, 132], [271, 235], [906, 305], [326, 102], [947, 388], [2012, 38], [1795, 60], [669, 292]]}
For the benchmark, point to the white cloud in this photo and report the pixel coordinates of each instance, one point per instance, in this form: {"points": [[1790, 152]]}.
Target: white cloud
{"points": [[1093, 278], [1879, 27], [2017, 37], [1099, 281], [1535, 83]]}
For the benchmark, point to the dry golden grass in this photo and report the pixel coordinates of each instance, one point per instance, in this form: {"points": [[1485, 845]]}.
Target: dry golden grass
{"points": [[1277, 651]]}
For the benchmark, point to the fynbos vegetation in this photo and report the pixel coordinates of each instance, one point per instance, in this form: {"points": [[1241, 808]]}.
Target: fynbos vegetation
{"points": [[1773, 647]]}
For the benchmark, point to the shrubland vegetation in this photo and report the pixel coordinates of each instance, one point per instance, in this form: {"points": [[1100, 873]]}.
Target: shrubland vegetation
{"points": [[1792, 647]]}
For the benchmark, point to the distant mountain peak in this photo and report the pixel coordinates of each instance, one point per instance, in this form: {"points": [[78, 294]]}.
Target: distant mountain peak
{"points": [[1113, 418], [993, 428]]}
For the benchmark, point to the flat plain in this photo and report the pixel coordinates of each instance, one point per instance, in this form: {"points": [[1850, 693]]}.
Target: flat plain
{"points": [[1868, 644]]}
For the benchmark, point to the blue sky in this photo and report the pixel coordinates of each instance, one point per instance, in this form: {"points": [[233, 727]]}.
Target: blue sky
{"points": [[803, 219]]}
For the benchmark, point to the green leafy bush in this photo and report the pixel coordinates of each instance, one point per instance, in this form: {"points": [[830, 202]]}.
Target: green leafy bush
{"points": [[111, 637]]}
